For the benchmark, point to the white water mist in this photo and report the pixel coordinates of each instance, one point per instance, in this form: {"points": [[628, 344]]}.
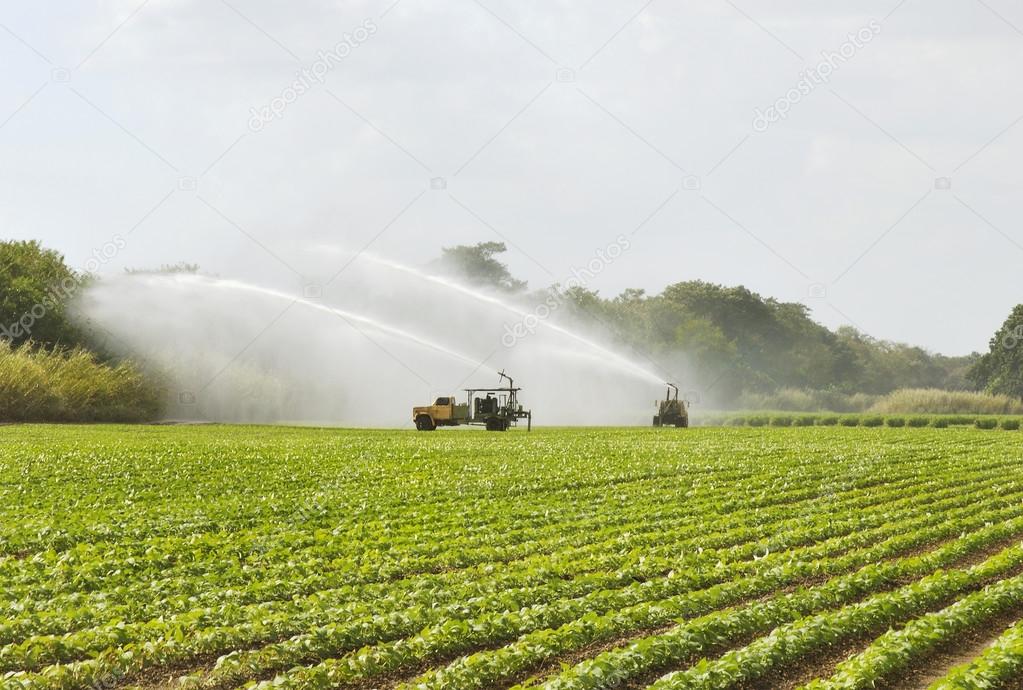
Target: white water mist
{"points": [[381, 339]]}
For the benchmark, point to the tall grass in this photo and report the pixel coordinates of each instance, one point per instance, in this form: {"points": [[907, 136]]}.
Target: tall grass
{"points": [[933, 401], [907, 401], [38, 385], [799, 400]]}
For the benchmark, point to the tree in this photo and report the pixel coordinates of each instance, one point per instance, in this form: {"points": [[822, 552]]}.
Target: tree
{"points": [[1001, 369], [35, 288], [477, 266]]}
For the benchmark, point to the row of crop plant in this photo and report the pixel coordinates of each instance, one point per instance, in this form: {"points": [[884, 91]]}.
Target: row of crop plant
{"points": [[786, 419]]}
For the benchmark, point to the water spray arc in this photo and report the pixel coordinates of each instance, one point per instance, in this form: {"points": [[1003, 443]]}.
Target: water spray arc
{"points": [[375, 324], [618, 360]]}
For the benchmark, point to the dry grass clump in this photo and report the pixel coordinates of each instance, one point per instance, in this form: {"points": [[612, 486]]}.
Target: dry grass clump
{"points": [[38, 385], [933, 401]]}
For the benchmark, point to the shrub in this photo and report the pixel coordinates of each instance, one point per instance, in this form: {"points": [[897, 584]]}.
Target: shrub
{"points": [[986, 423], [940, 422], [1011, 424], [805, 420], [781, 420], [828, 420], [850, 420], [873, 421], [895, 422], [918, 422], [961, 420], [736, 421], [758, 420]]}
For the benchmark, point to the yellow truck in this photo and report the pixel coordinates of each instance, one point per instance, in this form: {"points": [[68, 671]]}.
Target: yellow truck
{"points": [[497, 409]]}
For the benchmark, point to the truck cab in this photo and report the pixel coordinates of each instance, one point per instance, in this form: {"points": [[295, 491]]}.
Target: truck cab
{"points": [[445, 411]]}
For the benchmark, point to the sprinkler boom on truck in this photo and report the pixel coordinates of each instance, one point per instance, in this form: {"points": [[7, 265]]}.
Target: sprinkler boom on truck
{"points": [[497, 409]]}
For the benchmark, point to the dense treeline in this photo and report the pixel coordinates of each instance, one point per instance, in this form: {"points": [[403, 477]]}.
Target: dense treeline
{"points": [[1000, 371], [740, 343]]}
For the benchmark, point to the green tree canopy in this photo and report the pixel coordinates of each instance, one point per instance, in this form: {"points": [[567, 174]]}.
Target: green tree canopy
{"points": [[1001, 369], [737, 340], [35, 287], [477, 266]]}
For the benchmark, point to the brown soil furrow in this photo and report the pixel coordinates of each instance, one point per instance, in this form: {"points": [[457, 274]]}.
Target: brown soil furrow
{"points": [[963, 650]]}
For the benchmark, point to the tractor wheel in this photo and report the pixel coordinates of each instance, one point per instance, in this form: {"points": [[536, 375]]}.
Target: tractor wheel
{"points": [[657, 421], [495, 424], [682, 423], [424, 423]]}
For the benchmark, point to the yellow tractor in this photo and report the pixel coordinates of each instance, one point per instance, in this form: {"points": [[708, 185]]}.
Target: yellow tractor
{"points": [[671, 411], [497, 409]]}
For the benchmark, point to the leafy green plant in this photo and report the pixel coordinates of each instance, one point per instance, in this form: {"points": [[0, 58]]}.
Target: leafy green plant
{"points": [[918, 422], [781, 420], [986, 423], [873, 421], [895, 422], [1011, 424], [178, 546]]}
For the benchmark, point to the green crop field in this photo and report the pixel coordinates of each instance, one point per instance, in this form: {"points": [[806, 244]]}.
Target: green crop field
{"points": [[222, 557]]}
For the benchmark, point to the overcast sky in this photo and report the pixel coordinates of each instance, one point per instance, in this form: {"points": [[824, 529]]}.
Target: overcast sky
{"points": [[887, 197]]}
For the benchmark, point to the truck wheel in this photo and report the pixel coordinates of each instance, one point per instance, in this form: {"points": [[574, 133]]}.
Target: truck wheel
{"points": [[424, 423]]}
